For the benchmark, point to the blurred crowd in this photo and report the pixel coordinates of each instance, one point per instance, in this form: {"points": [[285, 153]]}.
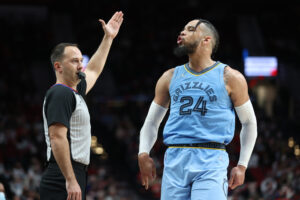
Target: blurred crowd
{"points": [[273, 172], [120, 100]]}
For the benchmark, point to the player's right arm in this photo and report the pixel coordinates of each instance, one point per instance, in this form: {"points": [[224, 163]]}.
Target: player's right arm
{"points": [[162, 96], [148, 135], [61, 152]]}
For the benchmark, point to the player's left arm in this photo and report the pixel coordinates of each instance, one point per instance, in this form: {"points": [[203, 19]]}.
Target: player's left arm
{"points": [[237, 88], [96, 64]]}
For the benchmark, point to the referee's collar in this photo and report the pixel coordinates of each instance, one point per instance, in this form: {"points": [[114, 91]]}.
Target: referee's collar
{"points": [[64, 86]]}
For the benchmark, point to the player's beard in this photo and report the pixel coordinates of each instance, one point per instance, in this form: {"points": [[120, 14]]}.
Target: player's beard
{"points": [[187, 49]]}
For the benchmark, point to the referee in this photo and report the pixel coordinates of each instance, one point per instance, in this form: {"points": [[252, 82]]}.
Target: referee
{"points": [[66, 116]]}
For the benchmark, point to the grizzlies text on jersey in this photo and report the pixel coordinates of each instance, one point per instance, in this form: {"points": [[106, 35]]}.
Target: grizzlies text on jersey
{"points": [[201, 110]]}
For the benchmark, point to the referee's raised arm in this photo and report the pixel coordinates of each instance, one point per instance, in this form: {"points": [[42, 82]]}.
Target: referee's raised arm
{"points": [[96, 64]]}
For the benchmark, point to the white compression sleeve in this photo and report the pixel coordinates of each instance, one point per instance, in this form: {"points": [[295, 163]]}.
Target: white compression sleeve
{"points": [[149, 130], [248, 133]]}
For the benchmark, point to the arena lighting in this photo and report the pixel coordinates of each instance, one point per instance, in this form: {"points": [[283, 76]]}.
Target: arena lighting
{"points": [[98, 150], [96, 147], [297, 150], [260, 66], [85, 61], [291, 142], [93, 141]]}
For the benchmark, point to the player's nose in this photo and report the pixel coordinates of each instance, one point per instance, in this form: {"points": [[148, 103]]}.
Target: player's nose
{"points": [[182, 33]]}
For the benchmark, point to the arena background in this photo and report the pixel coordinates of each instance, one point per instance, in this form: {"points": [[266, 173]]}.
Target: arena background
{"points": [[118, 104]]}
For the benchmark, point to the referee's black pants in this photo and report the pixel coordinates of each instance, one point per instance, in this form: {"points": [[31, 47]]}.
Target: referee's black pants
{"points": [[53, 183]]}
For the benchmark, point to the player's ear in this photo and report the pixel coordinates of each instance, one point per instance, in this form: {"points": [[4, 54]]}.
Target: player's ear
{"points": [[207, 39]]}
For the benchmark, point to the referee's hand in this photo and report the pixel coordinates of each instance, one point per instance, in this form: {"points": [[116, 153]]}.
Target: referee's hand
{"points": [[147, 168], [73, 189]]}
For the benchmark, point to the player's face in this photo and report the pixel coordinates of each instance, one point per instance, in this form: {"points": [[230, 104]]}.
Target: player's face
{"points": [[188, 39], [72, 63], [189, 34]]}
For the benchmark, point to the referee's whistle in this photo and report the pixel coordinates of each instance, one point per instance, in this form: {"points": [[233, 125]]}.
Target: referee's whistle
{"points": [[81, 75]]}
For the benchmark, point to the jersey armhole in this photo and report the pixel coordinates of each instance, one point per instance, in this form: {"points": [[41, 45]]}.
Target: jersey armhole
{"points": [[223, 84], [176, 69]]}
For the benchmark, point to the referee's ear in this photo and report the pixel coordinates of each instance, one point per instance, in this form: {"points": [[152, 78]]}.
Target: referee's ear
{"points": [[57, 67]]}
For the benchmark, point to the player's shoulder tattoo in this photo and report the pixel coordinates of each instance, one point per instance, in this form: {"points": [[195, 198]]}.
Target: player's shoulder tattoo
{"points": [[227, 74], [169, 74], [232, 76], [170, 71]]}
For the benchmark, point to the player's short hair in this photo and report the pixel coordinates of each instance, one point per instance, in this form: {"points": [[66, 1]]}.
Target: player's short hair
{"points": [[213, 31], [58, 51]]}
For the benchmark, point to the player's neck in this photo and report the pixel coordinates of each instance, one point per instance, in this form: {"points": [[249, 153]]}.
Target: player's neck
{"points": [[199, 63]]}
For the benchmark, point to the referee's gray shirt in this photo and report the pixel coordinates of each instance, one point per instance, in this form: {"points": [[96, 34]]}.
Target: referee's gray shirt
{"points": [[67, 106]]}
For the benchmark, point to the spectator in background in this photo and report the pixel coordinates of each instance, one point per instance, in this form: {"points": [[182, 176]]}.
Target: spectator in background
{"points": [[2, 192]]}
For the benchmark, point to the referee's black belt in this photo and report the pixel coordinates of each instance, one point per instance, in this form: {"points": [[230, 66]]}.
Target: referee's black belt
{"points": [[207, 145], [75, 164], [79, 165]]}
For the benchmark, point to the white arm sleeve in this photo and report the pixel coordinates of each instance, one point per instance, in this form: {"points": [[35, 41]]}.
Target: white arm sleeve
{"points": [[248, 133], [149, 130]]}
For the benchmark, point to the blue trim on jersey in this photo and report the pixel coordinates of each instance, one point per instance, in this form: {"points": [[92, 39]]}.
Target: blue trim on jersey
{"points": [[188, 68]]}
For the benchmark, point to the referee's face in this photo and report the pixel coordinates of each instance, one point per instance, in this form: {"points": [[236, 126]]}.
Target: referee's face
{"points": [[71, 64]]}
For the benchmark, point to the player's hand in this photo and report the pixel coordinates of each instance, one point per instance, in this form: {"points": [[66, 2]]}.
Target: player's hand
{"points": [[111, 29], [147, 169], [73, 189], [237, 176]]}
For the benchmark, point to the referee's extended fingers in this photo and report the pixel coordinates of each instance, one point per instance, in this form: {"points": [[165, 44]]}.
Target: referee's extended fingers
{"points": [[102, 22], [78, 195], [146, 182], [115, 16], [120, 16], [69, 196], [153, 172], [72, 196], [120, 22]]}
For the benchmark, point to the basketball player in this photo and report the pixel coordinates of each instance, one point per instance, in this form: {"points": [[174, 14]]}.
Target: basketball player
{"points": [[202, 95], [67, 119]]}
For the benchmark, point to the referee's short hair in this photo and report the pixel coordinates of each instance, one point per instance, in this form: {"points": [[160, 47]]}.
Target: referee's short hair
{"points": [[58, 51]]}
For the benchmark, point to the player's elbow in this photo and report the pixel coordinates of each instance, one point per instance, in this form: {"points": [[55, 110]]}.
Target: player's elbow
{"points": [[249, 122]]}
